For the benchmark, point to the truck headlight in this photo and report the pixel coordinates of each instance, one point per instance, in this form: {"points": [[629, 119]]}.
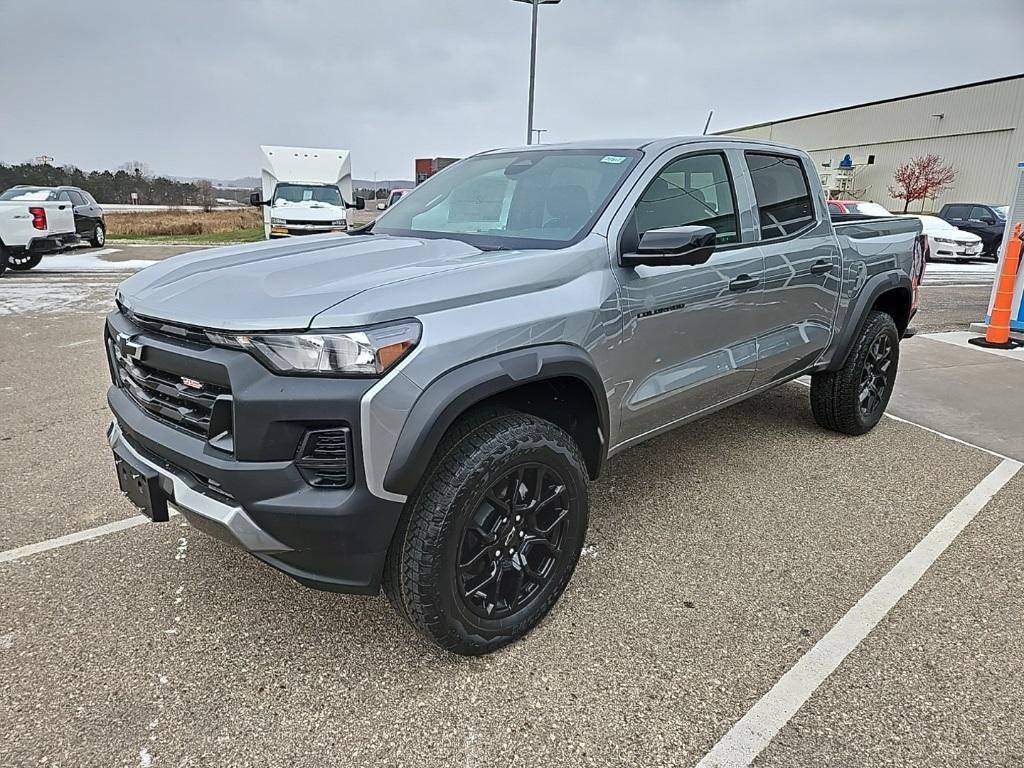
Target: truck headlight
{"points": [[366, 352], [277, 222]]}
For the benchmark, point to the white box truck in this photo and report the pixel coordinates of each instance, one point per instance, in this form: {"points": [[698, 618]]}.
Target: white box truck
{"points": [[306, 191]]}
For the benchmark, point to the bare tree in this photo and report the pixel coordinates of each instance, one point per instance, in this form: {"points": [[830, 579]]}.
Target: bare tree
{"points": [[137, 168], [923, 178]]}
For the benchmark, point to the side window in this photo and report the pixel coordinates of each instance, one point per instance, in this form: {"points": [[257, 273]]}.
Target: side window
{"points": [[957, 212], [980, 214], [694, 190], [63, 195], [76, 197], [833, 208], [784, 202]]}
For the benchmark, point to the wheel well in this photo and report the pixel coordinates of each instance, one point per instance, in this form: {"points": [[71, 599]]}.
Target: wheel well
{"points": [[565, 401], [896, 304]]}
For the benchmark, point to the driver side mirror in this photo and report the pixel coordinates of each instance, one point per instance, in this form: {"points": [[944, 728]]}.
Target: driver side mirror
{"points": [[360, 203], [672, 246], [254, 199]]}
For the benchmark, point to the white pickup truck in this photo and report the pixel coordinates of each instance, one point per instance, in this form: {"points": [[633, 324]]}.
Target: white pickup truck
{"points": [[34, 227]]}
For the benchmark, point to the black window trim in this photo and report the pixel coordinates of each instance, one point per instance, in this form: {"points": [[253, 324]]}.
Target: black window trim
{"points": [[732, 189], [810, 194]]}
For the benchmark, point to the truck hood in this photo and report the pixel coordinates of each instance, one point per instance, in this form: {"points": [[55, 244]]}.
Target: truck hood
{"points": [[283, 285]]}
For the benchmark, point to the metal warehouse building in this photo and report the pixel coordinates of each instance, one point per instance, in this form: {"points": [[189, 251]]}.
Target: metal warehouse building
{"points": [[976, 128]]}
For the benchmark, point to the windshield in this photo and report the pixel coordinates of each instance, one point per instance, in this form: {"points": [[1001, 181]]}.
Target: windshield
{"points": [[529, 199], [29, 193], [867, 209], [308, 195], [1002, 211]]}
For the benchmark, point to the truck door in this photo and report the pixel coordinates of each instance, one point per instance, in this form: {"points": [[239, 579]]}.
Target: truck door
{"points": [[801, 263], [689, 332]]}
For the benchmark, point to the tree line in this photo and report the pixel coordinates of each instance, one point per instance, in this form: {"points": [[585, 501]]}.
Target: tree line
{"points": [[111, 186]]}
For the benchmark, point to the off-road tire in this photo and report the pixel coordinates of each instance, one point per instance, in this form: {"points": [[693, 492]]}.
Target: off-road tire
{"points": [[835, 395], [23, 261], [420, 573], [99, 236]]}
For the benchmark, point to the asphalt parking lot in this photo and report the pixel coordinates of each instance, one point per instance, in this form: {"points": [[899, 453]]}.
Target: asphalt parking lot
{"points": [[718, 557]]}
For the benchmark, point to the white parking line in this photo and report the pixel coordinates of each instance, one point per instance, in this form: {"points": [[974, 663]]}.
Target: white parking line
{"points": [[74, 538], [755, 730]]}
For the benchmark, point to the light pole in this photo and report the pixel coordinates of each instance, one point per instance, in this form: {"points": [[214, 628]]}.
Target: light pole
{"points": [[533, 61]]}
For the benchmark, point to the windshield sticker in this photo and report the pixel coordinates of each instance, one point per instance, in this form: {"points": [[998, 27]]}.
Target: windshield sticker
{"points": [[613, 159]]}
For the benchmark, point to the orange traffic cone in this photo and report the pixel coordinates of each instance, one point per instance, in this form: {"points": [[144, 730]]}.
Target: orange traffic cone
{"points": [[998, 333]]}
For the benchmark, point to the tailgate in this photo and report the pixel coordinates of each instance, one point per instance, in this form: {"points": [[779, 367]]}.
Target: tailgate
{"points": [[60, 218]]}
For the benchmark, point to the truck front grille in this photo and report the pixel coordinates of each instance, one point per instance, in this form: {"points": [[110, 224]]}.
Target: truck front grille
{"points": [[181, 401]]}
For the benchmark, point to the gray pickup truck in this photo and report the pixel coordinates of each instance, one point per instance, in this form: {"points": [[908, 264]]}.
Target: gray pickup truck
{"points": [[419, 405]]}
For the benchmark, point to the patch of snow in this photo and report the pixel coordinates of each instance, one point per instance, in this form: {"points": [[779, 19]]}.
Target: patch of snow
{"points": [[182, 548], [145, 759], [589, 550], [90, 262]]}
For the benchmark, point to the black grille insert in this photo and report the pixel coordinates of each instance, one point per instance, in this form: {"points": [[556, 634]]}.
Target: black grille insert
{"points": [[182, 401], [325, 457]]}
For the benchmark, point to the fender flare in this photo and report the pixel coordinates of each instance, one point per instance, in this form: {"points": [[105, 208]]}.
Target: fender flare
{"points": [[857, 316], [453, 393]]}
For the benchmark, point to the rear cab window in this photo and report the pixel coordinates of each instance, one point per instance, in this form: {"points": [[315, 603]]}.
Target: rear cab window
{"points": [[784, 203]]}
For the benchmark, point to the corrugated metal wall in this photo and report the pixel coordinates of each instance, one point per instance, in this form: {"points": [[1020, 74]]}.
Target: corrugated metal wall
{"points": [[980, 134]]}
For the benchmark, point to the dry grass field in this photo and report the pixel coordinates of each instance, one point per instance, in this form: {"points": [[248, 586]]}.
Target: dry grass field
{"points": [[127, 225]]}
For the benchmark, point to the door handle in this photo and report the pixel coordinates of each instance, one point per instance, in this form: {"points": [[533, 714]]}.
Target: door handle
{"points": [[821, 267], [743, 282]]}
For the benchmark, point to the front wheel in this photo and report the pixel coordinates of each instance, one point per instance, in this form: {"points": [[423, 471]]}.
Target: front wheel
{"points": [[23, 261], [3, 258], [853, 399], [99, 236], [489, 542]]}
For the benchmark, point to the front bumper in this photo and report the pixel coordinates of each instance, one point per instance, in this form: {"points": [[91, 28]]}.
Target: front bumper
{"points": [[957, 250], [254, 495], [292, 230]]}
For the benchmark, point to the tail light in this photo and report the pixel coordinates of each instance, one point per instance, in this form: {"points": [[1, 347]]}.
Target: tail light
{"points": [[917, 269], [38, 216]]}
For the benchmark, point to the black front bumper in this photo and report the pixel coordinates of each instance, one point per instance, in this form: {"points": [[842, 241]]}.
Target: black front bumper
{"points": [[329, 538]]}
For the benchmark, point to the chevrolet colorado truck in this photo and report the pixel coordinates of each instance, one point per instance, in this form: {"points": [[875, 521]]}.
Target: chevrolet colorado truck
{"points": [[419, 405]]}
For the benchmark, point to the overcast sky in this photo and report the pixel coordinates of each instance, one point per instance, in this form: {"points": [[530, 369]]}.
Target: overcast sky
{"points": [[193, 87]]}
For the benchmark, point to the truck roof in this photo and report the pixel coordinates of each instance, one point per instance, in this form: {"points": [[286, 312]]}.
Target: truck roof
{"points": [[655, 144]]}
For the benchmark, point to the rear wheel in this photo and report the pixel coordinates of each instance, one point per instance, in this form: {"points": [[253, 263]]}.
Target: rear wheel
{"points": [[24, 260], [853, 399], [490, 541], [99, 236]]}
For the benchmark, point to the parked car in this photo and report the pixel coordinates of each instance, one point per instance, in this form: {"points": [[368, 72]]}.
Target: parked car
{"points": [[947, 242], [857, 207], [88, 217], [986, 221], [393, 197], [467, 362], [32, 227]]}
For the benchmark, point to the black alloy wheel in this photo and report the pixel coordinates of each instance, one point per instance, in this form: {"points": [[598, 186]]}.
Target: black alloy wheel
{"points": [[512, 541], [23, 260], [875, 378]]}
